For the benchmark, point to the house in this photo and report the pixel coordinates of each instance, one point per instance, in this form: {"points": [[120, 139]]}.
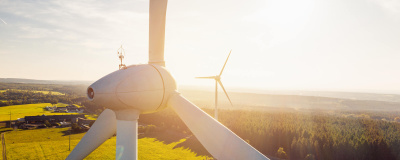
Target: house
{"points": [[83, 121], [61, 109], [67, 109], [72, 107], [48, 108], [53, 118], [78, 110]]}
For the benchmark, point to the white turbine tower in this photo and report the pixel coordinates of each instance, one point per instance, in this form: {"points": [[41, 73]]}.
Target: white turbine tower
{"points": [[146, 88], [217, 79]]}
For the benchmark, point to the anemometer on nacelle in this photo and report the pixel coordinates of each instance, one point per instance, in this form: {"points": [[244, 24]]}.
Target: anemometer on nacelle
{"points": [[121, 56]]}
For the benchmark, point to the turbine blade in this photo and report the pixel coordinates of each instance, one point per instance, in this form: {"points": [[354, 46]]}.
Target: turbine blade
{"points": [[211, 77], [222, 86], [104, 127], [158, 10], [219, 141], [225, 63]]}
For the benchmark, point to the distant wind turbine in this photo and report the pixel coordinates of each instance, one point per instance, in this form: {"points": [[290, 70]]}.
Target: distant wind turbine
{"points": [[217, 79], [146, 88]]}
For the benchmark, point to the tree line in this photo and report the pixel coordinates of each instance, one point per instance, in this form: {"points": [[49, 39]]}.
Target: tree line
{"points": [[17, 97], [23, 93], [77, 90], [302, 135]]}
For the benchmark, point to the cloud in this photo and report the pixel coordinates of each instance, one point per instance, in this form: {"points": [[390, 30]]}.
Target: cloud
{"points": [[392, 6], [85, 23]]}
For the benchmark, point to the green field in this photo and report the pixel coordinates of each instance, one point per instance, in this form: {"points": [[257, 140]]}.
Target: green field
{"points": [[1, 152], [52, 144], [44, 92], [91, 116], [77, 105], [20, 111]]}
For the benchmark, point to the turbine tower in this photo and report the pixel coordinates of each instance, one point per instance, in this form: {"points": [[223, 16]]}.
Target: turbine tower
{"points": [[147, 88], [217, 79]]}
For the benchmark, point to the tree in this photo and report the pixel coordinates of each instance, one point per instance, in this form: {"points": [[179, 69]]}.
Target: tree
{"points": [[281, 153], [309, 157], [47, 123], [54, 101], [397, 119], [76, 128]]}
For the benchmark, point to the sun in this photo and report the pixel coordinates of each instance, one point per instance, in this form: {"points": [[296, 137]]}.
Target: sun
{"points": [[285, 18]]}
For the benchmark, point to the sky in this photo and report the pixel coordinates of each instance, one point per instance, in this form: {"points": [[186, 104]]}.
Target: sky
{"points": [[276, 44]]}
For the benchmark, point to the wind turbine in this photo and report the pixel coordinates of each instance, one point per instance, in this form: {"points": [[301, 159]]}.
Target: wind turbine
{"points": [[147, 88], [217, 79]]}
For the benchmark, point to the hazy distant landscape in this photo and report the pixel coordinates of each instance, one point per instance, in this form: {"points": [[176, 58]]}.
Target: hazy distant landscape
{"points": [[279, 126], [34, 81], [264, 99], [295, 80], [299, 102]]}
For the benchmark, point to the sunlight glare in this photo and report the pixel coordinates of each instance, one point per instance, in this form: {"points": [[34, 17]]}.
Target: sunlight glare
{"points": [[286, 18]]}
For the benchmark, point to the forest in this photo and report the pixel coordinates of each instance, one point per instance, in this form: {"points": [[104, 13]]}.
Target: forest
{"points": [[302, 135], [76, 90]]}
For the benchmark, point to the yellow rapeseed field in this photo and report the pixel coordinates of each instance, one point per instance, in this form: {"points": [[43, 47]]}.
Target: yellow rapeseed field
{"points": [[20, 111], [52, 144]]}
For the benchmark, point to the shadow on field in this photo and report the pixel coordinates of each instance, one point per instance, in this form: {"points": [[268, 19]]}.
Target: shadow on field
{"points": [[170, 136], [68, 132], [193, 144], [166, 136]]}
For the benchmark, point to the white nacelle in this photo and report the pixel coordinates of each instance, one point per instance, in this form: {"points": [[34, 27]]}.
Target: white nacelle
{"points": [[142, 87]]}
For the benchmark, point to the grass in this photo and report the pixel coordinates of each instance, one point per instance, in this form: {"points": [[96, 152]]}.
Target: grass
{"points": [[44, 92], [78, 106], [4, 129], [151, 148], [61, 105], [39, 143], [47, 92], [20, 111], [1, 153], [53, 144], [91, 116]]}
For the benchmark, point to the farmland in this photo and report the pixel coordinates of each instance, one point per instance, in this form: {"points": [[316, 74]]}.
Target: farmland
{"points": [[52, 144], [44, 92], [20, 111]]}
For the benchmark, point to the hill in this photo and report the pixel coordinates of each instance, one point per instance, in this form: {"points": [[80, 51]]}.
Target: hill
{"points": [[297, 102], [34, 81]]}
